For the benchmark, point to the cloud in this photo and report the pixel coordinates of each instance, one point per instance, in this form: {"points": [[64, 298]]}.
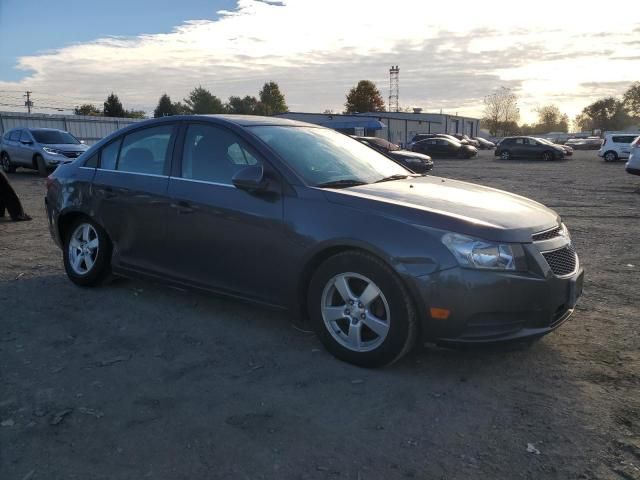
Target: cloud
{"points": [[317, 49]]}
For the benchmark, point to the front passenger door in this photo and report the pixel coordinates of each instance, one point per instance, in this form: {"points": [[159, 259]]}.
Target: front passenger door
{"points": [[224, 238]]}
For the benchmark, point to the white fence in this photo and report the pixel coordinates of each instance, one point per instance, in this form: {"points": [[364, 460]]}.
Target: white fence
{"points": [[89, 129]]}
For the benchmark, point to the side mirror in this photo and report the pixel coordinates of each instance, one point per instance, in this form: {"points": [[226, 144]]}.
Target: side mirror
{"points": [[251, 178]]}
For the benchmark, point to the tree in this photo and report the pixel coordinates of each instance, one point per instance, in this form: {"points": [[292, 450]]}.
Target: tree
{"points": [[364, 97], [550, 119], [271, 100], [202, 101], [135, 114], [165, 107], [501, 112], [113, 107], [244, 106], [631, 99], [606, 114], [87, 109]]}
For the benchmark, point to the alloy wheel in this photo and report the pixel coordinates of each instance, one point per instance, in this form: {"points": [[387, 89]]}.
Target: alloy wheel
{"points": [[83, 248], [355, 312]]}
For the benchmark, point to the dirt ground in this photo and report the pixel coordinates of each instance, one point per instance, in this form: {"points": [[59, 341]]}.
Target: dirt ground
{"points": [[135, 380]]}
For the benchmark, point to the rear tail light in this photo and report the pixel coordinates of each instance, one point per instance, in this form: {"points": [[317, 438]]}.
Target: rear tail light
{"points": [[604, 143]]}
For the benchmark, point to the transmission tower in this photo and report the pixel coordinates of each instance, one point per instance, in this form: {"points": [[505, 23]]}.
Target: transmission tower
{"points": [[394, 89]]}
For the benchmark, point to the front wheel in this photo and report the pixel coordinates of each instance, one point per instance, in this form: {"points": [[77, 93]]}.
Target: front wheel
{"points": [[41, 166], [87, 253], [7, 166], [361, 311]]}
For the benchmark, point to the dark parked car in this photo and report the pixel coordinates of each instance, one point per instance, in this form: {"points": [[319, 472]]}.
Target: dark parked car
{"points": [[444, 147], [568, 150], [298, 216], [41, 149], [424, 136], [528, 147], [484, 143], [465, 138], [416, 162]]}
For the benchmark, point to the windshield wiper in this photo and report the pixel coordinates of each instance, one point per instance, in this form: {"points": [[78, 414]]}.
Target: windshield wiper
{"points": [[398, 176], [348, 182]]}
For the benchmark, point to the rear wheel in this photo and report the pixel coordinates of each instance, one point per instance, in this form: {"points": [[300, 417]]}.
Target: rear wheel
{"points": [[547, 156], [361, 311], [7, 166], [505, 155], [610, 156], [87, 253], [41, 166]]}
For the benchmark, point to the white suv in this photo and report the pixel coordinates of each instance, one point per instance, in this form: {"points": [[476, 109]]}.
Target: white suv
{"points": [[633, 165], [616, 146]]}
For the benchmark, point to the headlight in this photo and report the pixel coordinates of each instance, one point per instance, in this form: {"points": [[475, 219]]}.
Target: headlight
{"points": [[475, 253], [564, 231], [52, 151]]}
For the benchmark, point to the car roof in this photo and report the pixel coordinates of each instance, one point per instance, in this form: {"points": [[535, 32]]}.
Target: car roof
{"points": [[240, 120], [44, 129]]}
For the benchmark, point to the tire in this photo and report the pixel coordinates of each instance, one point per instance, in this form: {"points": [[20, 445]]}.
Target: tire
{"points": [[505, 155], [40, 166], [340, 324], [610, 156], [7, 166], [547, 156], [95, 265]]}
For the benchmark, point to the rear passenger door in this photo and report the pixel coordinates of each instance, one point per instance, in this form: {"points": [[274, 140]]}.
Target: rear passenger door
{"points": [[130, 190]]}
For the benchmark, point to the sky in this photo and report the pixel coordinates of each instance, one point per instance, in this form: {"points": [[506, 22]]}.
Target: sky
{"points": [[69, 52]]}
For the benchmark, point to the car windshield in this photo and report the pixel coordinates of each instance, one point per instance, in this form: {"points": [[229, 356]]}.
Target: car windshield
{"points": [[54, 137], [322, 156]]}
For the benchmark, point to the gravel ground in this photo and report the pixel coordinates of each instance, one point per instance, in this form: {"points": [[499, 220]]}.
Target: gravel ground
{"points": [[135, 380]]}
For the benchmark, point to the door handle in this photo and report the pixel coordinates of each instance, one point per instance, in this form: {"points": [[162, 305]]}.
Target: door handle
{"points": [[184, 207]]}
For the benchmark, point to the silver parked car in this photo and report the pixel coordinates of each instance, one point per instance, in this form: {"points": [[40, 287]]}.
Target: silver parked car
{"points": [[42, 149]]}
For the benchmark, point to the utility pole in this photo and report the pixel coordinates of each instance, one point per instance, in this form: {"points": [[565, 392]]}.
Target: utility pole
{"points": [[28, 103]]}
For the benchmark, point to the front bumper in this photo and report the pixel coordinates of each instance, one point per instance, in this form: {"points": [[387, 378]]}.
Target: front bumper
{"points": [[53, 161], [492, 306]]}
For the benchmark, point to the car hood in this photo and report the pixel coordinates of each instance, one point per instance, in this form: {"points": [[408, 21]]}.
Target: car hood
{"points": [[67, 147], [453, 206], [407, 154]]}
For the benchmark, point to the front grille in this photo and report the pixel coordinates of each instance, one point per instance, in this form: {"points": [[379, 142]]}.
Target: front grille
{"points": [[563, 261], [547, 234], [71, 154]]}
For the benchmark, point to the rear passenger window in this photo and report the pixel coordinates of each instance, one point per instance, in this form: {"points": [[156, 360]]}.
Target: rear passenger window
{"points": [[213, 154], [146, 151], [109, 155], [623, 139]]}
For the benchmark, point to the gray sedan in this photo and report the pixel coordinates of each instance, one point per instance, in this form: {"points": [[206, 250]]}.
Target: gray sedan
{"points": [[373, 257]]}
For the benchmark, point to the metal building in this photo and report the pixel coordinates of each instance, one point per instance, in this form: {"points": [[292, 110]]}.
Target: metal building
{"points": [[87, 128], [350, 124], [400, 127], [397, 127]]}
